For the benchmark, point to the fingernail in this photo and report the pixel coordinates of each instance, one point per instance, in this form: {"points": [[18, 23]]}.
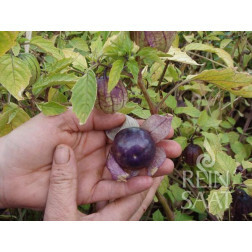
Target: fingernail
{"points": [[61, 155]]}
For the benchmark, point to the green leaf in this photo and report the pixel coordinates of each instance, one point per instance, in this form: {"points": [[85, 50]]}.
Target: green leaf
{"points": [[118, 45], [52, 108], [11, 117], [224, 164], [237, 83], [226, 57], [249, 140], [141, 113], [16, 49], [7, 40], [79, 44], [96, 48], [60, 65], [115, 73], [53, 80], [176, 122], [178, 192], [246, 164], [133, 69], [84, 96], [191, 111], [171, 102], [181, 57], [248, 184], [164, 185], [150, 54], [157, 216], [15, 75], [79, 61], [224, 43], [237, 179], [182, 141], [56, 96], [207, 122], [182, 216], [47, 46], [219, 201]]}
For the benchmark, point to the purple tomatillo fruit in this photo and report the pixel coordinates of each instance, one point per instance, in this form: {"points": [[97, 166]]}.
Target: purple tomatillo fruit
{"points": [[134, 147], [161, 40], [110, 102]]}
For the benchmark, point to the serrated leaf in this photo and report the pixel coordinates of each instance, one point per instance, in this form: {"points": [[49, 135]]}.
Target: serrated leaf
{"points": [[227, 79], [133, 69], [206, 121], [219, 201], [176, 122], [79, 61], [54, 80], [150, 54], [171, 102], [11, 117], [178, 192], [60, 65], [179, 56], [182, 141], [226, 57], [79, 44], [224, 164], [118, 45], [191, 111], [115, 73], [47, 46], [164, 185], [84, 95], [7, 40], [56, 96], [141, 113], [178, 216], [52, 108], [15, 75], [157, 216]]}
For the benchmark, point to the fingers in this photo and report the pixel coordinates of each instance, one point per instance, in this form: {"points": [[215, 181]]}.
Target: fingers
{"points": [[147, 200], [165, 169], [96, 121], [128, 208], [113, 189], [172, 148], [62, 195]]}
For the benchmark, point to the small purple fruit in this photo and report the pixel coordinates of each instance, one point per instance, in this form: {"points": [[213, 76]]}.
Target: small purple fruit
{"points": [[161, 40], [110, 102], [191, 153], [133, 148]]}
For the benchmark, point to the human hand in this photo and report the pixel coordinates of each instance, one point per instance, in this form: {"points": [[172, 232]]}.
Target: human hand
{"points": [[63, 190], [27, 154]]}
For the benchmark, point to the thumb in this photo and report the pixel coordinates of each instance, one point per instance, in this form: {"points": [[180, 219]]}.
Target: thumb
{"points": [[62, 195]]}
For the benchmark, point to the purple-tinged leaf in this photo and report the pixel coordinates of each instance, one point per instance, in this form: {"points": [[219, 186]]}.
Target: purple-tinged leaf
{"points": [[158, 126], [158, 160], [116, 171]]}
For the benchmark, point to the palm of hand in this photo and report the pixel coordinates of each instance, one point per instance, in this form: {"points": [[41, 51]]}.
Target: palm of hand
{"points": [[28, 155]]}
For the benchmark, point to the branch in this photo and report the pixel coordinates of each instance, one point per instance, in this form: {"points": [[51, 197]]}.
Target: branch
{"points": [[168, 212], [142, 87], [203, 57], [170, 92], [162, 75]]}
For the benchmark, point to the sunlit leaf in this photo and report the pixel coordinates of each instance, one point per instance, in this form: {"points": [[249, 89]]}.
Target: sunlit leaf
{"points": [[7, 40], [47, 46], [84, 96], [115, 73], [52, 108], [15, 75]]}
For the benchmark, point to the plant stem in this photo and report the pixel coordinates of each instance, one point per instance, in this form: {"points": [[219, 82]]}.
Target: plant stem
{"points": [[170, 92], [153, 108], [162, 75], [203, 57], [168, 212]]}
